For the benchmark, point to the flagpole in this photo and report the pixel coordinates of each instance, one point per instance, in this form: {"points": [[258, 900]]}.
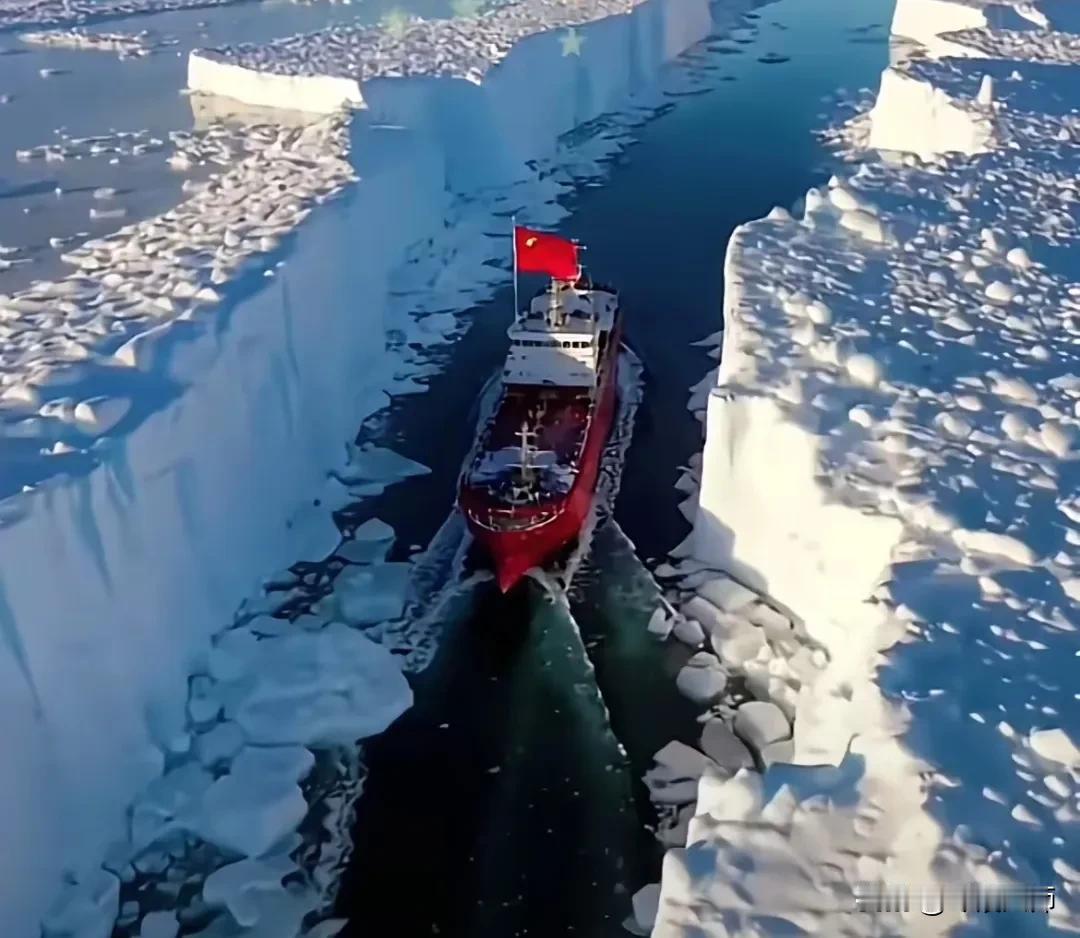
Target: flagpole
{"points": [[513, 236]]}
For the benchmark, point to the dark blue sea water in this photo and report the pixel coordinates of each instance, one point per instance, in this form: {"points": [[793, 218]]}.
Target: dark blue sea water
{"points": [[508, 801]]}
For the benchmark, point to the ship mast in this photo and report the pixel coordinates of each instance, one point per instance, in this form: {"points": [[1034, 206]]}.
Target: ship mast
{"points": [[526, 468]]}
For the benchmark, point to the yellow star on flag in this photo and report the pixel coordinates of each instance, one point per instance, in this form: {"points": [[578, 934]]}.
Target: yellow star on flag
{"points": [[571, 42]]}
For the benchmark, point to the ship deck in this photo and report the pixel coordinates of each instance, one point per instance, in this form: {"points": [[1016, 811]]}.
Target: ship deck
{"points": [[559, 418]]}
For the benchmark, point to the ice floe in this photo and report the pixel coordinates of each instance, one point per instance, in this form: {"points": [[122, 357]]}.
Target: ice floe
{"points": [[702, 679], [369, 594], [15, 13], [326, 687], [127, 45], [121, 143]]}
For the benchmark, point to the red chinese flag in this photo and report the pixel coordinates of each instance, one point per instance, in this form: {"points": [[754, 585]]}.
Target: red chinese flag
{"points": [[540, 253]]}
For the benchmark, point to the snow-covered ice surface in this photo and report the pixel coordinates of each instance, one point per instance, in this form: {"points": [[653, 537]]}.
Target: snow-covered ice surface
{"points": [[331, 68], [890, 477], [125, 44], [16, 13], [90, 119], [114, 324], [185, 325]]}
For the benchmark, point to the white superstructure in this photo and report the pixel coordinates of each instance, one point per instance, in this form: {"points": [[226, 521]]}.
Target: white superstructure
{"points": [[560, 338]]}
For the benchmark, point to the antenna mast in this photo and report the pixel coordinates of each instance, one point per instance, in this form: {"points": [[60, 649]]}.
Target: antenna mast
{"points": [[526, 469], [513, 237]]}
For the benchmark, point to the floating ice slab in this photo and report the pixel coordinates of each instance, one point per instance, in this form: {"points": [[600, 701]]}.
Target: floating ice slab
{"points": [[726, 594], [333, 686], [759, 723], [674, 778], [721, 745], [705, 613], [1056, 746], [645, 903], [660, 624], [86, 908], [736, 641], [232, 886], [249, 810], [219, 744], [370, 543], [378, 464], [374, 593], [688, 631], [287, 763], [168, 802], [163, 924], [703, 679]]}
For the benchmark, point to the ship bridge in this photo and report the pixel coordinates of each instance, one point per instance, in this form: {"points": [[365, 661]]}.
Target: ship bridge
{"points": [[560, 338]]}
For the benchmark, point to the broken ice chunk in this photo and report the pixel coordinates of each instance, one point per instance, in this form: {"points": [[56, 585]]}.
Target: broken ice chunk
{"points": [[646, 903], [280, 912], [759, 723], [724, 593], [659, 624], [325, 687], [327, 928], [369, 463], [220, 744], [775, 624], [689, 631], [86, 908], [721, 745], [703, 679], [315, 533], [1055, 745], [247, 812], [232, 885], [167, 802], [162, 924], [293, 763], [736, 641], [703, 611], [370, 594], [370, 543], [233, 649], [674, 778]]}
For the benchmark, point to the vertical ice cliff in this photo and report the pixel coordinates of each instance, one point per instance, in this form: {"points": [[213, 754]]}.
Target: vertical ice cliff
{"points": [[113, 581], [913, 116], [174, 439], [887, 457], [927, 23]]}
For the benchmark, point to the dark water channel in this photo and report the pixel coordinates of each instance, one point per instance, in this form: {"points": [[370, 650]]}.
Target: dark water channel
{"points": [[509, 801]]}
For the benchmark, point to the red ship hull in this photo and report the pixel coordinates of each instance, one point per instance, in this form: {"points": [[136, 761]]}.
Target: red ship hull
{"points": [[540, 533]]}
